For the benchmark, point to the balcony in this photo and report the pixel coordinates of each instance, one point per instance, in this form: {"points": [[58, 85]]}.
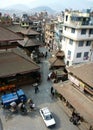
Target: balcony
{"points": [[80, 20]]}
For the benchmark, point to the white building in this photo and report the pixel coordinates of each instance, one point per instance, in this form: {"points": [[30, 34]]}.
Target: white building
{"points": [[58, 29], [77, 41], [58, 25]]}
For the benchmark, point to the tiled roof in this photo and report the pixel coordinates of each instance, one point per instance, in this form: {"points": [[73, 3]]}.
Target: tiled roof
{"points": [[77, 99], [83, 72], [8, 35], [29, 42], [58, 53], [12, 63], [25, 31], [56, 62]]}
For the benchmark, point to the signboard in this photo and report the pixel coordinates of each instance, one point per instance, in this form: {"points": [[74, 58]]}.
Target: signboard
{"points": [[81, 86], [73, 79], [76, 82]]}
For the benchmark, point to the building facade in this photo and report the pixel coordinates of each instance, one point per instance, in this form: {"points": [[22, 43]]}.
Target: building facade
{"points": [[77, 92], [77, 41], [58, 35], [49, 34]]}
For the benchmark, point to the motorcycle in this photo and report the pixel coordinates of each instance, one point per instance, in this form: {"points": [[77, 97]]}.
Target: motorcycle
{"points": [[22, 108], [31, 104], [75, 118]]}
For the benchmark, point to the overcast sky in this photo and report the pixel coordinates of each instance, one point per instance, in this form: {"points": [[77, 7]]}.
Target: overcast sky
{"points": [[53, 3]]}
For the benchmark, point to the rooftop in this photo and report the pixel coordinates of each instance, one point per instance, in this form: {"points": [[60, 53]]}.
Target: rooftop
{"points": [[8, 35], [12, 63], [25, 31], [27, 42], [83, 72], [78, 100], [56, 62]]}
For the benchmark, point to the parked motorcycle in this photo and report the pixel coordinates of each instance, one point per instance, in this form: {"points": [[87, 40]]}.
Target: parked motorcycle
{"points": [[75, 118], [31, 104], [22, 108], [13, 107]]}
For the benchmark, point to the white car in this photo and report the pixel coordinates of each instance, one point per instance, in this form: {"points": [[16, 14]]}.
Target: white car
{"points": [[47, 117]]}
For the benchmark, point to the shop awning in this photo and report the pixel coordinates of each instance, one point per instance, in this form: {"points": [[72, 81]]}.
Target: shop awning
{"points": [[78, 100]]}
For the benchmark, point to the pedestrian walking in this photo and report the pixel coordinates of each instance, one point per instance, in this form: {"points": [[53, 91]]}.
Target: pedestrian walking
{"points": [[91, 128], [36, 89], [51, 90], [46, 54]]}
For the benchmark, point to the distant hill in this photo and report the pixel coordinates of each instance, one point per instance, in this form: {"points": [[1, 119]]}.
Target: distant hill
{"points": [[18, 7], [11, 12], [43, 8], [58, 5]]}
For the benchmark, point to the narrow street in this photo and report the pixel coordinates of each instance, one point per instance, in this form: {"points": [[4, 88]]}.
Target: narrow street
{"points": [[33, 120]]}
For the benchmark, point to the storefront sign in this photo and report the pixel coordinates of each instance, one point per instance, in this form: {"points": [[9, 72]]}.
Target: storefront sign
{"points": [[74, 80]]}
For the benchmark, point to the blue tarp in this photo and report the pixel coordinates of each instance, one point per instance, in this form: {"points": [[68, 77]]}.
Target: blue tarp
{"points": [[8, 98], [15, 96], [20, 92]]}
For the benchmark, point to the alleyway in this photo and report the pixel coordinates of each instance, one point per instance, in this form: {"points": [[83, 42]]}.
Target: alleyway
{"points": [[33, 120]]}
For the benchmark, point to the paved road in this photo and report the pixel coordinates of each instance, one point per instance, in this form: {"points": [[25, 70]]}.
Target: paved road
{"points": [[1, 125], [33, 120]]}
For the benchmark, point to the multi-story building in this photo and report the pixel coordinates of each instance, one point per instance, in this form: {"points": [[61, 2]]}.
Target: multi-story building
{"points": [[58, 35], [5, 20], [77, 92], [49, 34], [77, 41], [12, 59]]}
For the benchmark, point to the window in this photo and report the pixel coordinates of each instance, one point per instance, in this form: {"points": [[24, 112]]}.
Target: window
{"points": [[81, 43], [83, 31], [70, 41], [63, 38], [48, 117], [66, 17], [23, 23], [69, 54], [85, 55], [78, 55], [91, 31], [88, 43], [60, 31], [68, 63], [73, 30], [65, 27]]}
